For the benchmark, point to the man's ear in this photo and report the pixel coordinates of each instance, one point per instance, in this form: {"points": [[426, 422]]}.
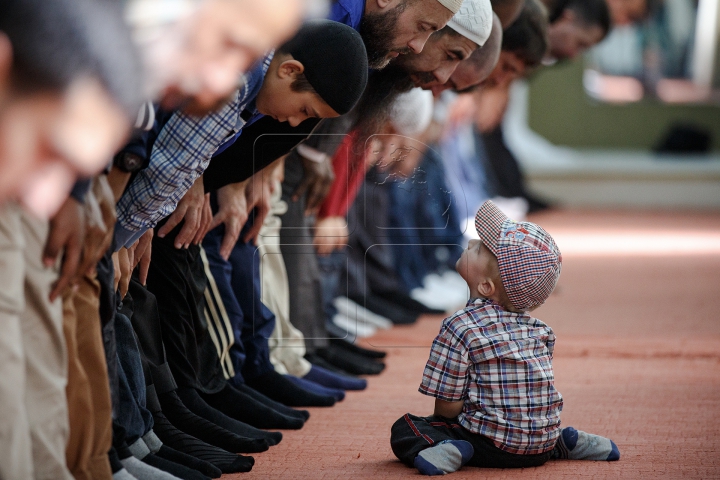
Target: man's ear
{"points": [[290, 68], [383, 4], [6, 61], [486, 288]]}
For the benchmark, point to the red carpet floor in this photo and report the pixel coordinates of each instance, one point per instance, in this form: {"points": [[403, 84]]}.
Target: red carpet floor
{"points": [[637, 316]]}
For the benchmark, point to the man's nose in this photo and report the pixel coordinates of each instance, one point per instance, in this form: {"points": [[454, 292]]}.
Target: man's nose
{"points": [[418, 43], [438, 89]]}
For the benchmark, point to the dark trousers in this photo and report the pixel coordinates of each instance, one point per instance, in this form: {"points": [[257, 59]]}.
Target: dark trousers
{"points": [[410, 435], [238, 282], [298, 251], [132, 413], [177, 279]]}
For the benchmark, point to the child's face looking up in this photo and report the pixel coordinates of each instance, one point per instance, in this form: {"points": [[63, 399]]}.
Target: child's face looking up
{"points": [[277, 98], [479, 268]]}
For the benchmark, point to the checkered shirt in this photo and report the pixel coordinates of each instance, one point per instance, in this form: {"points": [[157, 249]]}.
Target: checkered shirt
{"points": [[500, 364], [181, 154]]}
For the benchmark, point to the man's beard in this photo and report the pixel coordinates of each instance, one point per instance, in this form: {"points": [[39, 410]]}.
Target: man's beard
{"points": [[378, 34], [423, 78]]}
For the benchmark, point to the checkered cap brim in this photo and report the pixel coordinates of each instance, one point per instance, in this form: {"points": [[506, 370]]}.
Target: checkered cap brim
{"points": [[528, 258]]}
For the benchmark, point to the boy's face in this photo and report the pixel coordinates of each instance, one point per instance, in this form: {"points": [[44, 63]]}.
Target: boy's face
{"points": [[476, 264], [277, 98]]}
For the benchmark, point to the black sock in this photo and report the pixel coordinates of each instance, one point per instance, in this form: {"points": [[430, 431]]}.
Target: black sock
{"points": [[206, 468], [245, 408], [180, 471], [316, 359], [284, 391], [205, 429], [285, 410], [115, 464], [366, 352], [350, 361], [182, 442], [198, 406]]}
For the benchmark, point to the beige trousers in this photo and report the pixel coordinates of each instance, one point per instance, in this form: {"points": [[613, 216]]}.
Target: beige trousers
{"points": [[88, 388], [287, 344], [33, 359]]}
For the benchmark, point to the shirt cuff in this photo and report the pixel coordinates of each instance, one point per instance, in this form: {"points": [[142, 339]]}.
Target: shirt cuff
{"points": [[80, 189], [125, 237]]}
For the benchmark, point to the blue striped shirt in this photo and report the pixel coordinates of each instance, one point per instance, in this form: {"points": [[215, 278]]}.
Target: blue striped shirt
{"points": [[181, 154]]}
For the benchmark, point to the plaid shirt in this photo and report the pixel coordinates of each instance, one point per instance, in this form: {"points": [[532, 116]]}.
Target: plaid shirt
{"points": [[181, 154], [500, 364]]}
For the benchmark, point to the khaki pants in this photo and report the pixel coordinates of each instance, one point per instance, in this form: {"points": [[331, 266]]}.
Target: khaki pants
{"points": [[287, 344], [33, 369], [88, 389]]}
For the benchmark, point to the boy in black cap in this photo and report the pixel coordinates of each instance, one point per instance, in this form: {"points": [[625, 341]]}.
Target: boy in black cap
{"points": [[321, 72]]}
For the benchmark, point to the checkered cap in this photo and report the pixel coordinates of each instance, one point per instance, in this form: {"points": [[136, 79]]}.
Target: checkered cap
{"points": [[528, 258]]}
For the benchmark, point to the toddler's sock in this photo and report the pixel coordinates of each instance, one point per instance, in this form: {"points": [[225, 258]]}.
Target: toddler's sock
{"points": [[287, 411], [578, 445], [445, 457], [144, 471], [245, 408], [313, 387], [330, 379]]}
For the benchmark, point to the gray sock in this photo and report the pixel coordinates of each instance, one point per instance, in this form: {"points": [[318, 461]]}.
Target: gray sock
{"points": [[143, 471], [123, 475], [445, 457], [152, 441], [139, 449], [578, 445]]}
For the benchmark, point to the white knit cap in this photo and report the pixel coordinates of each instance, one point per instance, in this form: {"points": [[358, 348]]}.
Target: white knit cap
{"points": [[473, 21], [452, 5], [412, 111]]}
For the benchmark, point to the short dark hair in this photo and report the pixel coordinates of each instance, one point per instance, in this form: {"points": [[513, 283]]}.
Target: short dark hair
{"points": [[527, 37], [301, 84], [56, 42], [592, 12]]}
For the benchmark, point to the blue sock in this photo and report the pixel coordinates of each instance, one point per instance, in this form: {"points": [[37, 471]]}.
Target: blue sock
{"points": [[329, 379], [316, 388], [578, 445], [445, 457]]}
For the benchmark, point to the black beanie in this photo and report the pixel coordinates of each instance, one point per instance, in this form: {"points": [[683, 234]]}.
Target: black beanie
{"points": [[335, 61]]}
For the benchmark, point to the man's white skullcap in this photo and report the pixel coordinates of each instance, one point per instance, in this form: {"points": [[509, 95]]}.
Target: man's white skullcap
{"points": [[474, 20], [412, 111], [452, 5]]}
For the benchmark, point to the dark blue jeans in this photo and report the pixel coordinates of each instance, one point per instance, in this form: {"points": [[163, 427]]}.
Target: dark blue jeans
{"points": [[132, 413], [238, 281]]}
